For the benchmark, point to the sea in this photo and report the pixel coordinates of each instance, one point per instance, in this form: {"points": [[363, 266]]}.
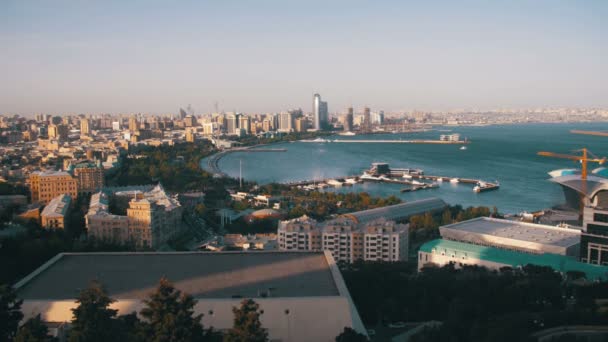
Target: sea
{"points": [[503, 153]]}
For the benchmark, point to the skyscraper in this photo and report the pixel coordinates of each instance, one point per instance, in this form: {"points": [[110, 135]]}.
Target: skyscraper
{"points": [[286, 122], [319, 113], [367, 122], [348, 120], [84, 127]]}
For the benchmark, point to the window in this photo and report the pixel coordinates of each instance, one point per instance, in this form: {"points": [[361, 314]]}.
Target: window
{"points": [[600, 217]]}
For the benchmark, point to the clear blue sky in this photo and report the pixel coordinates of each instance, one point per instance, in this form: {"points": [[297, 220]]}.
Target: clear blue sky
{"points": [[90, 56]]}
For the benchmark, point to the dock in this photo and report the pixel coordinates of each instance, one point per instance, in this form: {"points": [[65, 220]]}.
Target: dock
{"points": [[213, 161], [415, 141]]}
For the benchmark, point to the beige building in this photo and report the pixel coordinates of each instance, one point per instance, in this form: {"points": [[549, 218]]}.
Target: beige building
{"points": [[53, 215], [89, 175], [153, 217], [47, 185], [347, 239]]}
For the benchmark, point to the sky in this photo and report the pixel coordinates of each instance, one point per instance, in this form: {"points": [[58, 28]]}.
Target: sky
{"points": [[131, 56]]}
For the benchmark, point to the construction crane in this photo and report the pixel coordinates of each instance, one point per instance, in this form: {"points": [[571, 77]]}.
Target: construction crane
{"points": [[599, 134], [583, 159]]}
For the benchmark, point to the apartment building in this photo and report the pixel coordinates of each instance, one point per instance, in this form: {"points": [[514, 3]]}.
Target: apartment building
{"points": [[47, 185], [347, 239], [152, 216], [54, 213]]}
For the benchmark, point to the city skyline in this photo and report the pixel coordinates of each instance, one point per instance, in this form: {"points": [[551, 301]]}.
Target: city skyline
{"points": [[271, 56]]}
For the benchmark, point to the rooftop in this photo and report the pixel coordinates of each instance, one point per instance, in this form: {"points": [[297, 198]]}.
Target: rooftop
{"points": [[57, 207], [593, 185], [400, 211], [203, 275], [543, 234], [559, 263]]}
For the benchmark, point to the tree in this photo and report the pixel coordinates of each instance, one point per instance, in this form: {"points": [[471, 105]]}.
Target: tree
{"points": [[350, 335], [33, 330], [10, 313], [247, 326], [93, 319], [169, 315]]}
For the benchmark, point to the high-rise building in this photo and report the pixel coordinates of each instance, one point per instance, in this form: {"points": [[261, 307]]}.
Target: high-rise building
{"points": [[367, 120], [85, 128], [232, 123], [301, 124], [89, 176], [348, 119], [286, 123], [245, 123], [58, 132], [319, 113], [133, 124], [182, 113]]}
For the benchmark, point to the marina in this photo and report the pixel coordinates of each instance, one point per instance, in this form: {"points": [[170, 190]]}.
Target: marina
{"points": [[414, 179], [498, 152]]}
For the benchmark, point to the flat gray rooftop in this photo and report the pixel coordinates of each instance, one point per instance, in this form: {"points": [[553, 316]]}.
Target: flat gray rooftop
{"points": [[203, 275], [544, 234]]}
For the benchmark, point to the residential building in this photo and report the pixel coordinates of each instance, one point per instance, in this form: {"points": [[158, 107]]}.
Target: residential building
{"points": [[152, 216], [47, 185], [85, 128], [90, 176], [54, 214], [346, 239]]}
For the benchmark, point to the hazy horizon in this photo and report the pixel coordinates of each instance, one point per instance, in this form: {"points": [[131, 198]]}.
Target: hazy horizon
{"points": [[269, 56]]}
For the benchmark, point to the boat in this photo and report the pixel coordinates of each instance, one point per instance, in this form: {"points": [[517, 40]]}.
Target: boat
{"points": [[462, 148], [334, 183], [350, 181], [454, 180], [348, 133], [484, 186]]}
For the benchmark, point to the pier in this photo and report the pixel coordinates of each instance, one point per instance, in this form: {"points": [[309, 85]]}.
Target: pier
{"points": [[382, 173], [416, 141], [213, 161]]}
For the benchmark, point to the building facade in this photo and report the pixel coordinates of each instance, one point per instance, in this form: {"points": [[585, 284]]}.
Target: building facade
{"points": [[347, 240], [152, 216], [54, 214], [47, 185]]}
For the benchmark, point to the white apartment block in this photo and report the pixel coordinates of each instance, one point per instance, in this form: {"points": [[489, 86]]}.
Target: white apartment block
{"points": [[346, 239]]}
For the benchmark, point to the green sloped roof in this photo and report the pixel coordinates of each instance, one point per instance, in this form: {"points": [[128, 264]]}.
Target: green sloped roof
{"points": [[515, 259]]}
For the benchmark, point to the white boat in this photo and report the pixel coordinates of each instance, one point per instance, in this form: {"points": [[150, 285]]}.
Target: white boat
{"points": [[406, 176], [439, 180], [462, 148], [334, 183], [454, 180], [350, 181], [417, 183], [348, 133]]}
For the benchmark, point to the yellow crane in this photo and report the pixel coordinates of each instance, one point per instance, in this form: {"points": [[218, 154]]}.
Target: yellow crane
{"points": [[583, 159]]}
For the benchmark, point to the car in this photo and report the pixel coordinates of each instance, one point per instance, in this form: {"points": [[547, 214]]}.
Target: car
{"points": [[371, 332], [396, 325]]}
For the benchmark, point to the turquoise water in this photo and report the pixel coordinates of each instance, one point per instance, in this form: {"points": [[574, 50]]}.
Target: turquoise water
{"points": [[503, 153]]}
